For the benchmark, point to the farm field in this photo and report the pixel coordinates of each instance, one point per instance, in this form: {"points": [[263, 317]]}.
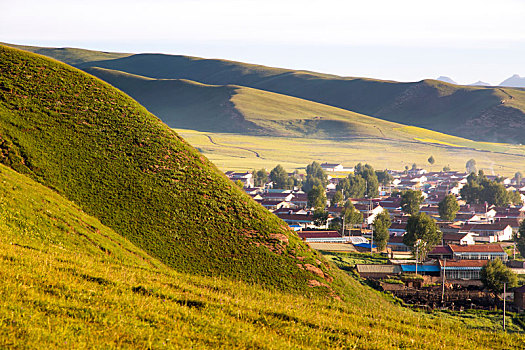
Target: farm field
{"points": [[241, 152]]}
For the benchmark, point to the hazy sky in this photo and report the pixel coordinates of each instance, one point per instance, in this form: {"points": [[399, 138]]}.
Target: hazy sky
{"points": [[405, 40]]}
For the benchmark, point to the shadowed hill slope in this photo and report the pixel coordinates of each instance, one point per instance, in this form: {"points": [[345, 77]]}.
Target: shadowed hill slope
{"points": [[104, 151], [70, 282], [238, 109], [479, 113]]}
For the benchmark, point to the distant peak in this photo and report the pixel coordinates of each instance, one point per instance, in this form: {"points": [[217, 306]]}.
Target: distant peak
{"points": [[446, 79]]}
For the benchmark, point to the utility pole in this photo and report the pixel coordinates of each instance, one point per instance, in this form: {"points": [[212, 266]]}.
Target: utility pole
{"points": [[504, 292], [417, 252], [443, 283]]}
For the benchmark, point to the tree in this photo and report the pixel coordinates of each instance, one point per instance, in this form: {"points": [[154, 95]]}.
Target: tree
{"points": [[519, 238], [518, 177], [260, 177], [431, 160], [368, 174], [320, 217], [423, 229], [381, 225], [414, 166], [446, 168], [471, 166], [317, 197], [337, 198], [495, 273], [479, 189], [315, 176], [448, 208], [352, 215], [384, 177], [354, 186], [411, 201], [279, 177]]}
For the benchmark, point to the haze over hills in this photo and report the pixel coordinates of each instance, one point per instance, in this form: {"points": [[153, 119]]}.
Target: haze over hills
{"points": [[102, 150], [480, 113], [446, 80], [514, 81]]}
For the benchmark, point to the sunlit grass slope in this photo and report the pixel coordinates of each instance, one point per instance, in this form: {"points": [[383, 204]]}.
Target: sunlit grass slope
{"points": [[102, 150], [481, 113], [68, 281]]}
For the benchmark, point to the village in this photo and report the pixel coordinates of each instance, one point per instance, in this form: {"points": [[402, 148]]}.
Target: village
{"points": [[341, 210]]}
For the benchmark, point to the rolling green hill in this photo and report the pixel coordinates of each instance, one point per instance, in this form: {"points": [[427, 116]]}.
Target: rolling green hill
{"points": [[69, 55], [105, 152], [481, 113], [244, 128], [68, 281]]}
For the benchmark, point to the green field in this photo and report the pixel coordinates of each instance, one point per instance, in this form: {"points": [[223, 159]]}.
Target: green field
{"points": [[237, 152]]}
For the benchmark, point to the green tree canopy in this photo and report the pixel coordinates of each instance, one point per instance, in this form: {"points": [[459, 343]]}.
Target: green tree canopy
{"points": [[352, 215], [337, 199], [471, 166], [315, 176], [495, 273], [354, 186], [411, 201], [518, 176], [479, 189], [371, 182], [279, 177], [423, 229], [384, 177], [519, 238], [446, 168], [260, 177], [317, 197], [448, 208], [381, 225], [320, 217]]}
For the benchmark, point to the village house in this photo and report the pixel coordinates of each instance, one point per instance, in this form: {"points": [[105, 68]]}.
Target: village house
{"points": [[246, 178], [496, 232], [478, 252], [461, 269]]}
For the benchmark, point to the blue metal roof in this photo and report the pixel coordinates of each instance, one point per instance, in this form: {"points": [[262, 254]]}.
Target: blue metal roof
{"points": [[420, 268], [365, 245]]}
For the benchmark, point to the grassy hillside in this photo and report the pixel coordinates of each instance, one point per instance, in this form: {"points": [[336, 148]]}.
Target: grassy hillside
{"points": [[68, 281], [482, 113], [105, 152], [69, 55], [283, 129]]}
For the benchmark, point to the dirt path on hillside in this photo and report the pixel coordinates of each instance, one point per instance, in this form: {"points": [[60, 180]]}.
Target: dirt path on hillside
{"points": [[237, 147]]}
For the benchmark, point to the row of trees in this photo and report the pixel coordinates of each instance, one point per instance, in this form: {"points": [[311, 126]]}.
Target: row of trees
{"points": [[480, 189]]}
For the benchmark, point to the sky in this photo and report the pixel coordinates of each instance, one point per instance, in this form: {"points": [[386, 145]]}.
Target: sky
{"points": [[403, 40]]}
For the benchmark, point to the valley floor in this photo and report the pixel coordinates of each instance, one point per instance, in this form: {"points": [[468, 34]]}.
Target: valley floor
{"points": [[241, 152]]}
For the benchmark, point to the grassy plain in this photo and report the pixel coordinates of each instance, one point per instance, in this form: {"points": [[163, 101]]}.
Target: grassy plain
{"points": [[239, 152], [68, 281]]}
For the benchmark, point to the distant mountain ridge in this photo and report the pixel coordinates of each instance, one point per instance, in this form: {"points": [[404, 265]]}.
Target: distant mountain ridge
{"points": [[514, 81], [480, 113], [446, 80]]}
